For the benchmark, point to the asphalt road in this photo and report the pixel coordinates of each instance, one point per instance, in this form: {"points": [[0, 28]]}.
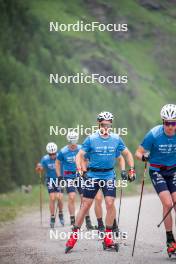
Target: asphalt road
{"points": [[25, 241]]}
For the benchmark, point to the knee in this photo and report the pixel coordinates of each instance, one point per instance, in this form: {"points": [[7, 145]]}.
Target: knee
{"points": [[110, 204], [52, 198], [72, 198], [167, 205], [98, 200]]}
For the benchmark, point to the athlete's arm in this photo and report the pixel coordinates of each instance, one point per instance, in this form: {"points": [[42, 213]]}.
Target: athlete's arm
{"points": [[129, 157], [139, 152], [58, 167], [84, 164], [80, 160], [121, 162], [142, 154]]}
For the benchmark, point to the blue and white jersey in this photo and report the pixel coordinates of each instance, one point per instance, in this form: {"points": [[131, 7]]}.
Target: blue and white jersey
{"points": [[49, 166], [161, 146], [67, 158], [102, 153]]}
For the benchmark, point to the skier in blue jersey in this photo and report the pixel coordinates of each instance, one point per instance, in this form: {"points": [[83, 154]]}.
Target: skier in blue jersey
{"points": [[67, 156], [99, 196], [47, 164], [103, 148], [159, 149]]}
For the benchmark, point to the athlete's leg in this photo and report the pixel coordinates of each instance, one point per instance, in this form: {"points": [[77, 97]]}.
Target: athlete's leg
{"points": [[71, 203], [110, 212], [52, 203], [85, 206], [98, 205], [59, 197]]}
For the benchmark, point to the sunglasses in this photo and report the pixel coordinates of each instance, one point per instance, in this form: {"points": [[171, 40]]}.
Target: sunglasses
{"points": [[52, 154], [106, 125], [169, 123]]}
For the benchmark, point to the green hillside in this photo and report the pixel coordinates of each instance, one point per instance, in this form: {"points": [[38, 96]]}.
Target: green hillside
{"points": [[29, 53]]}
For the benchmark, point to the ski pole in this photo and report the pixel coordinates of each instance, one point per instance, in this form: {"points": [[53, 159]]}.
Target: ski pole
{"points": [[166, 214], [140, 202], [40, 198], [118, 220]]}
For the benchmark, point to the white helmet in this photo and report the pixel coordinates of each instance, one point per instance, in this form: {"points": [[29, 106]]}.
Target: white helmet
{"points": [[105, 116], [51, 148], [168, 112], [72, 137]]}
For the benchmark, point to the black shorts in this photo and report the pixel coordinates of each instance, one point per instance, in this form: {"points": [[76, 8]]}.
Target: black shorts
{"points": [[164, 180], [92, 186]]}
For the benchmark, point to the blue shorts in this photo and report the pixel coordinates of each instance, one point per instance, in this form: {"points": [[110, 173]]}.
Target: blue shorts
{"points": [[92, 186], [53, 186], [74, 184], [164, 180]]}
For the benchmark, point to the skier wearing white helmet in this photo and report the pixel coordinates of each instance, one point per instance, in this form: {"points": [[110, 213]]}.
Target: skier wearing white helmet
{"points": [[67, 156], [104, 149], [159, 149], [47, 163]]}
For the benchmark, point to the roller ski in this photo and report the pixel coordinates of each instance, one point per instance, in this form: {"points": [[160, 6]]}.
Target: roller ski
{"points": [[61, 219], [108, 243], [72, 241], [171, 249], [52, 222]]}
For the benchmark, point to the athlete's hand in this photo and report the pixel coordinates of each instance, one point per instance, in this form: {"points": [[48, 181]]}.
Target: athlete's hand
{"points": [[145, 157], [80, 173], [39, 168], [131, 174], [124, 175]]}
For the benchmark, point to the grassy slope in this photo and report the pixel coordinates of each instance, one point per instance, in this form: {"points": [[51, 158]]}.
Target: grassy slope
{"points": [[147, 56]]}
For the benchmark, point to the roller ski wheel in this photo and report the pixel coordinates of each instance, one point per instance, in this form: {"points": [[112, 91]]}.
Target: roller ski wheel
{"points": [[67, 249], [52, 222], [114, 246], [171, 249]]}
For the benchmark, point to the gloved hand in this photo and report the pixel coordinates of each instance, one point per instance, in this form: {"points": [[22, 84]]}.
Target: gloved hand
{"points": [[80, 173], [145, 157], [131, 174], [124, 175]]}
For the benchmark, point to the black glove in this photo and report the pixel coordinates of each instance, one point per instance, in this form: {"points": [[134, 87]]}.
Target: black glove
{"points": [[124, 175], [145, 157], [131, 174], [81, 173]]}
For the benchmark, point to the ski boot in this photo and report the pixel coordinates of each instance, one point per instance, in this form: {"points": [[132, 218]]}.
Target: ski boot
{"points": [[116, 232], [101, 230], [72, 220], [52, 221], [61, 218], [89, 225], [72, 240], [108, 242], [171, 249]]}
